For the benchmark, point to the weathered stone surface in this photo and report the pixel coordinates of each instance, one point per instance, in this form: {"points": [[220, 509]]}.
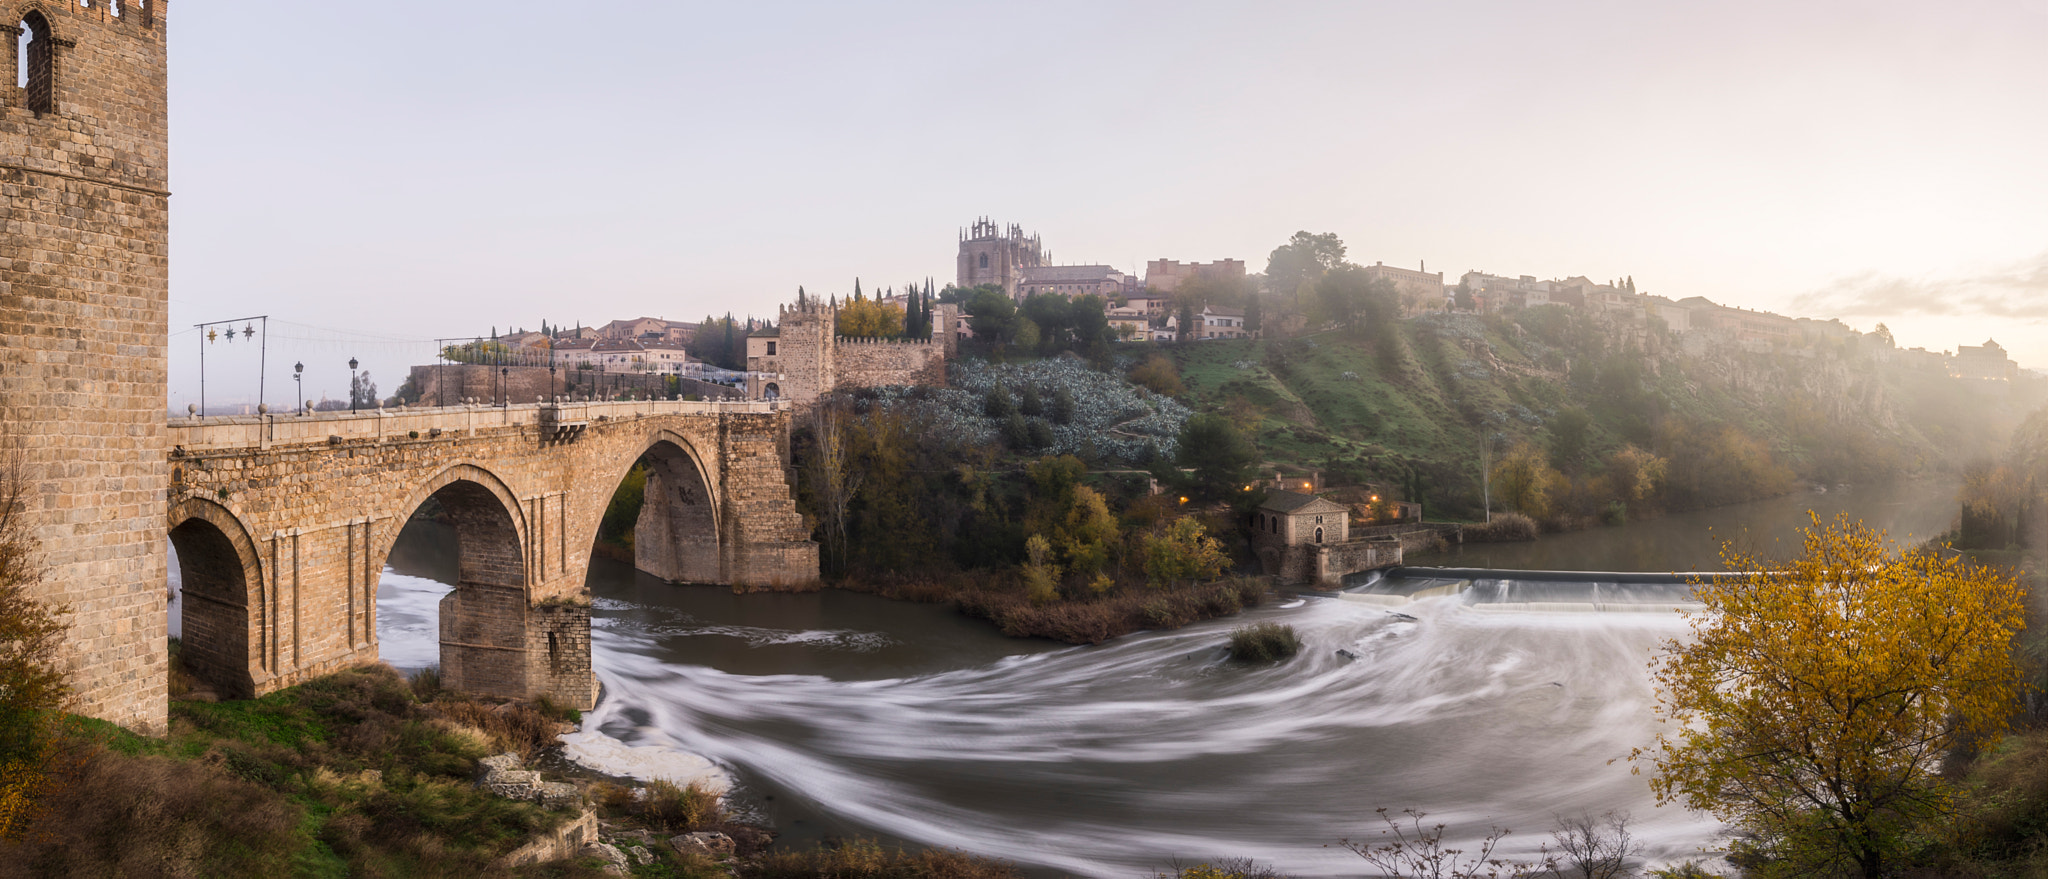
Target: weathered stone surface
{"points": [[562, 842], [496, 763], [556, 793], [703, 842], [84, 314], [641, 855], [606, 851]]}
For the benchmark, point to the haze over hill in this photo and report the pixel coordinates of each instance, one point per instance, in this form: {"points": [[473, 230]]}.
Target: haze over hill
{"points": [[1874, 163]]}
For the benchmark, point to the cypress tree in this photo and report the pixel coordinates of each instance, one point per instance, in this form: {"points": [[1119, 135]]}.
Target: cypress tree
{"points": [[856, 290], [799, 294], [729, 356]]}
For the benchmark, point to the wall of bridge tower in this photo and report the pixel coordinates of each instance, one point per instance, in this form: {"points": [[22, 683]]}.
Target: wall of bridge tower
{"points": [[84, 308]]}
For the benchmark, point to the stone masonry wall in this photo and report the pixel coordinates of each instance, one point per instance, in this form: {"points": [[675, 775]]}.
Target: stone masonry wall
{"points": [[84, 293], [874, 362]]}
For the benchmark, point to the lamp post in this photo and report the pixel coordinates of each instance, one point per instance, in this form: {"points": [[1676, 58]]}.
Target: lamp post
{"points": [[351, 385], [504, 400], [299, 377]]}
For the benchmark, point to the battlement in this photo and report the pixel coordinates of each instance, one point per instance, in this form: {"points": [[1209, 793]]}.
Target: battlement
{"points": [[133, 13], [878, 340]]}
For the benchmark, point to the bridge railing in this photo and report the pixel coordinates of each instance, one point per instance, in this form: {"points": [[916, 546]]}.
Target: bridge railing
{"points": [[263, 431]]}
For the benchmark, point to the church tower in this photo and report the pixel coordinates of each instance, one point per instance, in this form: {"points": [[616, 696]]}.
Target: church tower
{"points": [[990, 254], [84, 312]]}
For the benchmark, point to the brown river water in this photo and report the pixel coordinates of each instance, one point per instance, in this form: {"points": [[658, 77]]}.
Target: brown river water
{"points": [[840, 714]]}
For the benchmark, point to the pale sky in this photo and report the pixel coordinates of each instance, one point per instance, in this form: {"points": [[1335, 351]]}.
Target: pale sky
{"points": [[367, 173]]}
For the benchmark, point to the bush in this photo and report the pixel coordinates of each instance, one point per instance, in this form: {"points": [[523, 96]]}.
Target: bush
{"points": [[514, 726], [1504, 527], [1265, 642], [153, 816], [674, 809]]}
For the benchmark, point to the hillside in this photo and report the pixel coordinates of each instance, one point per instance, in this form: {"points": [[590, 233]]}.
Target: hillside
{"points": [[1411, 415]]}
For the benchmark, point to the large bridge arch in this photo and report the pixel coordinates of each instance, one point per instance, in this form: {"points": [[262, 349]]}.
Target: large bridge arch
{"points": [[677, 535], [228, 638], [486, 627]]}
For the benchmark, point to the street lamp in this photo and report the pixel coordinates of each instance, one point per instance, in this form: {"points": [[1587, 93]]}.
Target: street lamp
{"points": [[299, 376], [504, 401], [351, 385]]}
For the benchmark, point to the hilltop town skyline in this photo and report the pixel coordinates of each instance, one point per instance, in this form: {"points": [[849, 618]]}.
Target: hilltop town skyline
{"points": [[1808, 161]]}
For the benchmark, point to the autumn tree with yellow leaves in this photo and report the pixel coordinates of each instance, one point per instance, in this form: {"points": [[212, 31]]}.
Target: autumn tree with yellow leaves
{"points": [[1815, 699]]}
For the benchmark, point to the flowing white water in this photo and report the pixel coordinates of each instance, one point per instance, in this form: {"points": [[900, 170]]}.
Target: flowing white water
{"points": [[1112, 760]]}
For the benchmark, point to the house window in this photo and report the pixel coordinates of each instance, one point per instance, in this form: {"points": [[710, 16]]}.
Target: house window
{"points": [[771, 349]]}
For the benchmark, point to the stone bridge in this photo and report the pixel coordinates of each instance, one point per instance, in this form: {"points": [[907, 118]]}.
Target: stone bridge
{"points": [[282, 525]]}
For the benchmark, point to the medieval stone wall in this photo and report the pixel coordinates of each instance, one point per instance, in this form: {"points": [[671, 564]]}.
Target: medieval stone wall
{"points": [[876, 362], [84, 308]]}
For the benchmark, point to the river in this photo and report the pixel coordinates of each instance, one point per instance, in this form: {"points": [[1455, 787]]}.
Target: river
{"points": [[834, 713]]}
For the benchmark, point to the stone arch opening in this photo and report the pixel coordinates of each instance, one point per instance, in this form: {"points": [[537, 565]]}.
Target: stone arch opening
{"points": [[772, 392], [675, 530], [37, 71], [223, 632], [482, 625]]}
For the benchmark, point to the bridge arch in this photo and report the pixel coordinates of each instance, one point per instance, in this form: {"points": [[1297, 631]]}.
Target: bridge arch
{"points": [[228, 639], [485, 619], [678, 533]]}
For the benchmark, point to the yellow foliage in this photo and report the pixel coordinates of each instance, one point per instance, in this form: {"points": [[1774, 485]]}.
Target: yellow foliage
{"points": [[1815, 699], [1041, 577], [870, 319], [1525, 481]]}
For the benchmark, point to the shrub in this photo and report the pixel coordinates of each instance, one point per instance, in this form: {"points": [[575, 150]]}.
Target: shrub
{"points": [[153, 816], [1265, 642], [674, 809], [1504, 527], [1158, 375], [514, 726]]}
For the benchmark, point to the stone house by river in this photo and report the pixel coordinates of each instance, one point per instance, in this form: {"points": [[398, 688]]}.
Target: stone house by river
{"points": [[1305, 539]]}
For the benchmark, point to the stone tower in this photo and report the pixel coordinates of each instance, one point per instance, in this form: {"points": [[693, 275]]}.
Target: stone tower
{"points": [[990, 254], [84, 310]]}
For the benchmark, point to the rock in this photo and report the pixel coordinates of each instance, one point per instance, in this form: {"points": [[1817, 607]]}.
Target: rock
{"points": [[607, 851], [637, 837], [497, 763], [642, 855], [555, 793], [703, 842]]}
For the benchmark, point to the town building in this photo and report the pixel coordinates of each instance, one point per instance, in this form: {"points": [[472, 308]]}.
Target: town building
{"points": [[1986, 362], [1221, 322], [1128, 323], [1072, 281], [1420, 290], [1165, 275]]}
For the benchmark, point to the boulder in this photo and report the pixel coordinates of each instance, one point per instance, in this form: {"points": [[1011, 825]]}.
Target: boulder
{"points": [[703, 842], [641, 855], [610, 853]]}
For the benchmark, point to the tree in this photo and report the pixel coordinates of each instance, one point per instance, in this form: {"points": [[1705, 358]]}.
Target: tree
{"points": [[1301, 260], [1816, 699], [1524, 480], [992, 315], [1254, 314], [1569, 432], [1181, 551], [870, 319], [33, 688], [362, 392], [1218, 452], [1186, 324]]}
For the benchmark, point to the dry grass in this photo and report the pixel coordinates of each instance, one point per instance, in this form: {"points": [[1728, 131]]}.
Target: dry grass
{"points": [[672, 809], [866, 859], [155, 816], [517, 727]]}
